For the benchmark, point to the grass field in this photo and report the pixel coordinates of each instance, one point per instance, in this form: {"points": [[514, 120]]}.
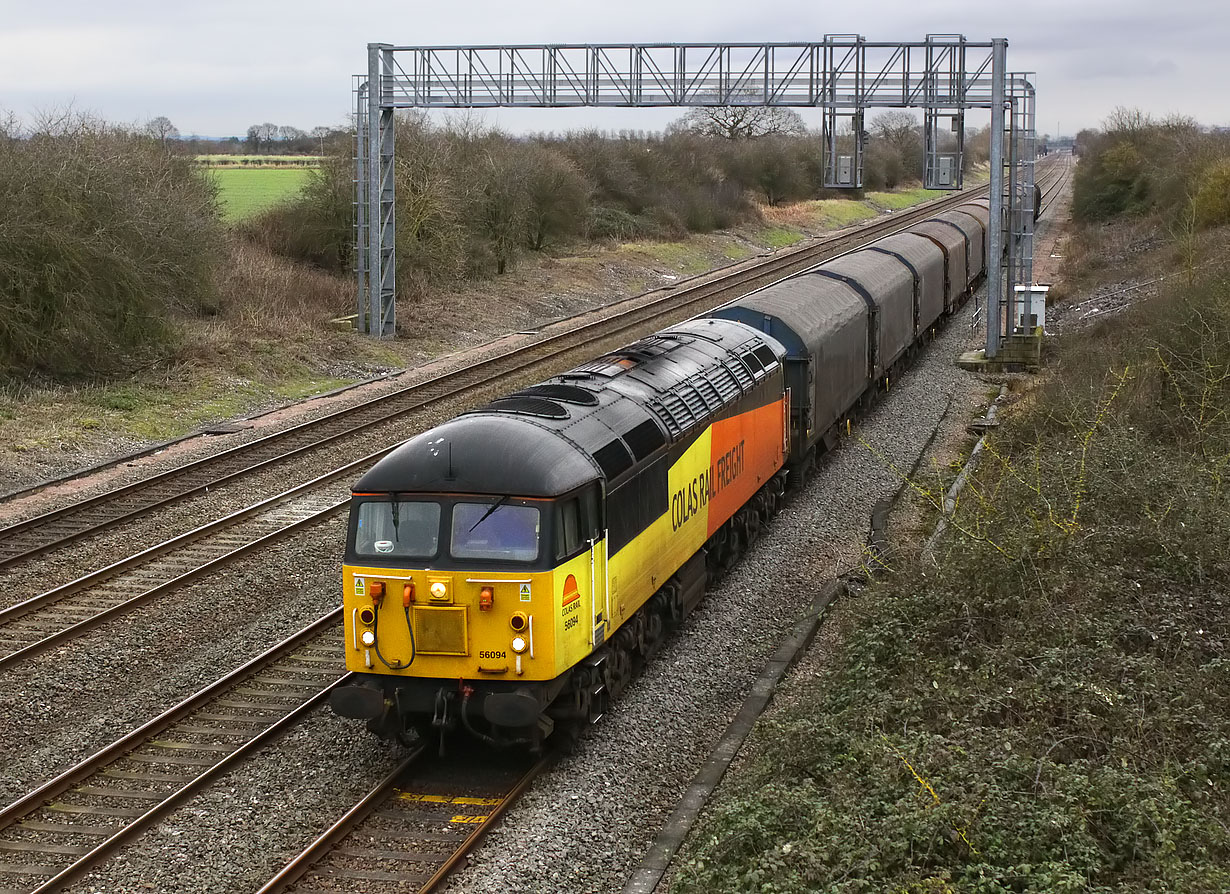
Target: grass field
{"points": [[245, 192]]}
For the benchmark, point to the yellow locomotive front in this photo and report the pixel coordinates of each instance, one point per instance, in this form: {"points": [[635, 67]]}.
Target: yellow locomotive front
{"points": [[464, 607], [507, 571]]}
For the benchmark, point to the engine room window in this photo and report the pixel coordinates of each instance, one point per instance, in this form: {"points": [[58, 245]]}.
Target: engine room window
{"points": [[495, 531], [402, 528]]}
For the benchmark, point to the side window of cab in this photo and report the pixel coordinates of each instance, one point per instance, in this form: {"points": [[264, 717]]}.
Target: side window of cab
{"points": [[577, 522]]}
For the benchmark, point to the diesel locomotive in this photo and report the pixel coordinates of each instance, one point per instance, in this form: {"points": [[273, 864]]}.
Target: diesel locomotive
{"points": [[507, 572]]}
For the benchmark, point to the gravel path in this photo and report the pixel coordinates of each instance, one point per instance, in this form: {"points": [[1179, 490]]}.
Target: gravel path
{"points": [[582, 827]]}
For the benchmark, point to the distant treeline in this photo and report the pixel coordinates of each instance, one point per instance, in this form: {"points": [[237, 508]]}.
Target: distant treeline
{"points": [[471, 200]]}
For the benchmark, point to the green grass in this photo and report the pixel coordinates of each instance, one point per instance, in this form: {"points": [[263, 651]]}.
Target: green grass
{"points": [[249, 191], [779, 237], [686, 257], [904, 198], [842, 212], [257, 160]]}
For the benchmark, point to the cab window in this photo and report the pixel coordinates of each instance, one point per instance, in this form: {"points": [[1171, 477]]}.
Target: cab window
{"points": [[409, 528], [577, 523], [495, 530], [568, 531]]}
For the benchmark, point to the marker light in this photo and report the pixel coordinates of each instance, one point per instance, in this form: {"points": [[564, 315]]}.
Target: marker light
{"points": [[366, 615], [518, 621], [485, 597], [519, 644], [368, 638], [439, 590]]}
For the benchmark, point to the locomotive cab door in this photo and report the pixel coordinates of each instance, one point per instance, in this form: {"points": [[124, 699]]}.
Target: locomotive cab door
{"points": [[582, 553]]}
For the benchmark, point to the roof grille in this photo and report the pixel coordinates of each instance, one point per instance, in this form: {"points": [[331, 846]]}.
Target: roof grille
{"points": [[724, 381], [673, 412], [527, 406], [567, 393], [708, 391], [691, 397], [742, 376]]}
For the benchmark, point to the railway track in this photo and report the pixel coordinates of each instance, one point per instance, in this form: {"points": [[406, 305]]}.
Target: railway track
{"points": [[57, 616], [413, 828], [42, 533], [56, 833], [1058, 176]]}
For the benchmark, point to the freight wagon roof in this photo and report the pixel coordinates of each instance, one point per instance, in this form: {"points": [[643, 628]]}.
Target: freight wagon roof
{"points": [[879, 274], [969, 225], [947, 235], [799, 311], [973, 209], [915, 248]]}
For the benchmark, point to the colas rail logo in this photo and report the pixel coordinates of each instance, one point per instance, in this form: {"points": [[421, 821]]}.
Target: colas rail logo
{"points": [[571, 593], [572, 602]]}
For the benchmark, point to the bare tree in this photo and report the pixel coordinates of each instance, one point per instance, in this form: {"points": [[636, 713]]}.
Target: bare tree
{"points": [[739, 122], [319, 133], [900, 132], [556, 195], [161, 129], [261, 135]]}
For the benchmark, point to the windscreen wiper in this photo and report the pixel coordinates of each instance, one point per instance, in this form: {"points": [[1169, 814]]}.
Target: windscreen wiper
{"points": [[494, 506]]}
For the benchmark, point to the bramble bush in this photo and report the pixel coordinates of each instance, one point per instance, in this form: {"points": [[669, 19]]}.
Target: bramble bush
{"points": [[105, 236], [1049, 708], [1138, 165]]}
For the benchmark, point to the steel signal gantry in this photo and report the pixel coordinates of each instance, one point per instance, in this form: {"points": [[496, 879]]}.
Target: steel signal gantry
{"points": [[844, 75]]}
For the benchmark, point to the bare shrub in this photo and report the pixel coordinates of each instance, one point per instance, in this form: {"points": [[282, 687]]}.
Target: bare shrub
{"points": [[103, 236]]}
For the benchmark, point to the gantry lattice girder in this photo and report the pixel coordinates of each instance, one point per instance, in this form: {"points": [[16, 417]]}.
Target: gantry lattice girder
{"points": [[842, 71], [844, 75]]}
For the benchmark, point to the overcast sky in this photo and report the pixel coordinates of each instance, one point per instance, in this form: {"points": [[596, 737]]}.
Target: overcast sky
{"points": [[216, 67]]}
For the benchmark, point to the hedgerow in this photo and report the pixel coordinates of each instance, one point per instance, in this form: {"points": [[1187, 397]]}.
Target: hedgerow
{"points": [[1047, 710], [471, 201]]}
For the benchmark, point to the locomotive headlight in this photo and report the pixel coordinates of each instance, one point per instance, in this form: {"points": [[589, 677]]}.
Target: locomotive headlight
{"points": [[519, 644], [439, 590], [368, 638]]}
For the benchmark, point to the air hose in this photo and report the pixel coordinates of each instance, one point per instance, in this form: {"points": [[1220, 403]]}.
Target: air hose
{"points": [[394, 665]]}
